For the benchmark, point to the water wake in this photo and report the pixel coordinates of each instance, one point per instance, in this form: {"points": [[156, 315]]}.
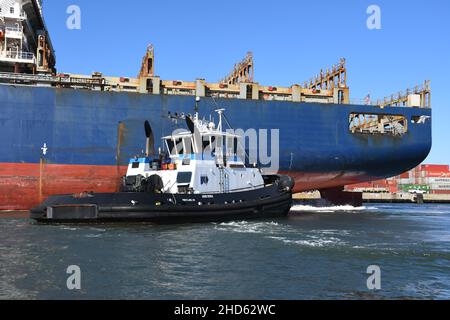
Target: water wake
{"points": [[286, 235], [302, 208], [249, 227], [312, 241]]}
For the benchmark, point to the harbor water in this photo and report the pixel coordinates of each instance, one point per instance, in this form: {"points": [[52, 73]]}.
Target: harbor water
{"points": [[312, 254]]}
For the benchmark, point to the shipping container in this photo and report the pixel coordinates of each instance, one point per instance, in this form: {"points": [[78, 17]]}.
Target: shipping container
{"points": [[440, 191], [406, 181], [410, 187], [437, 181], [393, 189], [434, 168], [404, 175], [425, 177], [440, 187], [436, 174]]}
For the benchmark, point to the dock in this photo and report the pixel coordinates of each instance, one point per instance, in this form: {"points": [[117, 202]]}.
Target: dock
{"points": [[386, 198], [405, 198]]}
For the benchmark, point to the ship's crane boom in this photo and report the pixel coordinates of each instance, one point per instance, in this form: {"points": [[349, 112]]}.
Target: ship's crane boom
{"points": [[148, 63], [334, 77], [242, 71]]}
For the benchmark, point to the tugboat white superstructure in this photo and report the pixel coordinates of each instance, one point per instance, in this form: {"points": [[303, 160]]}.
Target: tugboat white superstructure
{"points": [[199, 177]]}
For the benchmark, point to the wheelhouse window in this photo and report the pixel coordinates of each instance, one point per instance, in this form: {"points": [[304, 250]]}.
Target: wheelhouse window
{"points": [[188, 145], [232, 146], [135, 165], [184, 177], [208, 143], [171, 147], [218, 144], [179, 146]]}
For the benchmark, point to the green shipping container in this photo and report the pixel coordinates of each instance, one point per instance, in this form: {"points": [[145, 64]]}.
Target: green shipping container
{"points": [[409, 187]]}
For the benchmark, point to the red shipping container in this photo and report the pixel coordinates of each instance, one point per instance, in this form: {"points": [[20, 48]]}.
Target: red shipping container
{"points": [[437, 174], [393, 189], [435, 168], [440, 192], [404, 175], [383, 183]]}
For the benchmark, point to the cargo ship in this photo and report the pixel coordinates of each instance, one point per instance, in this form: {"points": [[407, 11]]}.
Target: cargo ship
{"points": [[68, 133]]}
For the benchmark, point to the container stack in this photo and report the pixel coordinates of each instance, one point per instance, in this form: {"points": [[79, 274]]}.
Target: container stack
{"points": [[437, 177], [427, 178]]}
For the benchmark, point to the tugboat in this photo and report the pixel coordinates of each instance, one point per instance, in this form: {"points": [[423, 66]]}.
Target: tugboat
{"points": [[198, 178]]}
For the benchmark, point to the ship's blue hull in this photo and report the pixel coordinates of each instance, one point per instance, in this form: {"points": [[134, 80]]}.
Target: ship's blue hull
{"points": [[103, 129]]}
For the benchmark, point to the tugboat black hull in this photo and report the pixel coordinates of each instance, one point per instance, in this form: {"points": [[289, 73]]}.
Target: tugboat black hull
{"points": [[271, 201]]}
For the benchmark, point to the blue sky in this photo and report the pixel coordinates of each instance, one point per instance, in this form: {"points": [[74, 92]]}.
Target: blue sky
{"points": [[291, 41]]}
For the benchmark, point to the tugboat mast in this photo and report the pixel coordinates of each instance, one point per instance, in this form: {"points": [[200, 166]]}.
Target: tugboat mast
{"points": [[220, 113]]}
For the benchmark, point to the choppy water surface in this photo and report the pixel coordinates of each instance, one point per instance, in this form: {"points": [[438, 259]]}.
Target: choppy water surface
{"points": [[313, 254]]}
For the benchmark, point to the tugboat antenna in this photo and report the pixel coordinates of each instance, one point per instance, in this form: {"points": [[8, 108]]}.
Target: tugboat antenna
{"points": [[221, 113]]}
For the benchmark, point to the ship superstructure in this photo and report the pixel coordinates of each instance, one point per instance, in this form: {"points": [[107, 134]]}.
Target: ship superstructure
{"points": [[25, 46], [50, 125], [204, 159]]}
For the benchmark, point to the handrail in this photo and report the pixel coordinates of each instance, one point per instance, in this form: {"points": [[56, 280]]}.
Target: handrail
{"points": [[14, 29], [7, 14], [19, 55]]}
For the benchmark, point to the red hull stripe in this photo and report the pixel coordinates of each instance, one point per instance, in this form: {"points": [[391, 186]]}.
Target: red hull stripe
{"points": [[24, 186]]}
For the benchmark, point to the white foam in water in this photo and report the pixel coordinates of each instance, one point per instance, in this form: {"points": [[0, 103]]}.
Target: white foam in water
{"points": [[93, 236], [277, 232], [311, 242], [245, 223], [300, 208], [98, 229], [69, 229], [247, 227]]}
